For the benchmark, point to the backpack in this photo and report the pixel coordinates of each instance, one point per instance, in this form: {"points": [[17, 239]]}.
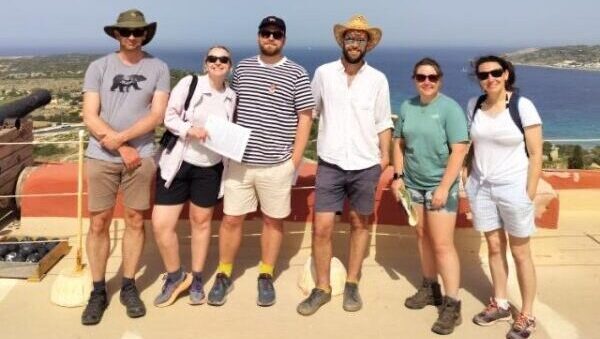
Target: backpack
{"points": [[513, 110], [169, 139]]}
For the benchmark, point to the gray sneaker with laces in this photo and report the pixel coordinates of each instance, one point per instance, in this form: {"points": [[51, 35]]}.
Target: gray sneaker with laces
{"points": [[315, 300], [522, 328], [171, 289], [266, 290], [449, 317], [221, 287], [197, 296], [428, 294], [352, 300], [492, 314]]}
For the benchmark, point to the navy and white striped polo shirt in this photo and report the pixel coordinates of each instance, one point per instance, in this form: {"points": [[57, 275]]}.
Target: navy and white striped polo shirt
{"points": [[269, 97]]}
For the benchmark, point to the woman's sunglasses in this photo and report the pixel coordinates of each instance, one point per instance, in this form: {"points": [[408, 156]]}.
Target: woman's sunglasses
{"points": [[127, 32], [495, 73], [265, 34], [213, 58], [431, 77]]}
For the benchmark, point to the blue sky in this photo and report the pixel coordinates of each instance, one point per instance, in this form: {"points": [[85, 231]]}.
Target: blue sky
{"points": [[77, 24]]}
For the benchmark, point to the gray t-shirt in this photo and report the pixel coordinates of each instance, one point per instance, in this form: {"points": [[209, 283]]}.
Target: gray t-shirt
{"points": [[125, 97]]}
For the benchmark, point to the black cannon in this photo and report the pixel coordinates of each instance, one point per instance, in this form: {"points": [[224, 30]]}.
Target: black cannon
{"points": [[19, 108]]}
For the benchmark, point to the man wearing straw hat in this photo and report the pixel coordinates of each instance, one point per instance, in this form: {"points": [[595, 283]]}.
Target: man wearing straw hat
{"points": [[125, 96], [352, 99]]}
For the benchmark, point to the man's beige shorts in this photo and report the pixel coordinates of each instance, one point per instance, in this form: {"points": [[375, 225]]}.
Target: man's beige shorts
{"points": [[105, 178], [247, 185]]}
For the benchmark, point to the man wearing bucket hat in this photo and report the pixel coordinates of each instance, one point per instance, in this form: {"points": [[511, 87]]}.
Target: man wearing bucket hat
{"points": [[353, 102], [125, 96], [276, 103]]}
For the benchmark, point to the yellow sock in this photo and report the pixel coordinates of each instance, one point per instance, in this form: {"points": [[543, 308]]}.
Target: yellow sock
{"points": [[265, 268], [225, 269]]}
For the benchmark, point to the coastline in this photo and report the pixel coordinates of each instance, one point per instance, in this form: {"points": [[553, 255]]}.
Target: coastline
{"points": [[560, 67]]}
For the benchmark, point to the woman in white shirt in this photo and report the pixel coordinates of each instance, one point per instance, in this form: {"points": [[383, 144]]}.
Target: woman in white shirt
{"points": [[191, 172], [506, 167]]}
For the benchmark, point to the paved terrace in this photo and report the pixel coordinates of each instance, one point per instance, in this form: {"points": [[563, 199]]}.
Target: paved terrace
{"points": [[568, 267]]}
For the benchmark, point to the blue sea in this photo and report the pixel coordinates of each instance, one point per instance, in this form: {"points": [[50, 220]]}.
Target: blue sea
{"points": [[568, 100]]}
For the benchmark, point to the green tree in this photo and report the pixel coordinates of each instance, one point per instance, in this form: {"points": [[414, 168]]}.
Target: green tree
{"points": [[575, 161]]}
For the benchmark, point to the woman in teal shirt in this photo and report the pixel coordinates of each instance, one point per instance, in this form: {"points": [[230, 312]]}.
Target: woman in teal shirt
{"points": [[430, 143]]}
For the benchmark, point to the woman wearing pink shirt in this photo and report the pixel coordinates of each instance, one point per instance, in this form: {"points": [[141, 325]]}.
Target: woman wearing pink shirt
{"points": [[191, 172]]}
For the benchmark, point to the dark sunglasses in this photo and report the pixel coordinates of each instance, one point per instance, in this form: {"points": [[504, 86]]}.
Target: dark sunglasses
{"points": [[495, 73], [265, 34], [127, 32], [431, 77], [213, 58]]}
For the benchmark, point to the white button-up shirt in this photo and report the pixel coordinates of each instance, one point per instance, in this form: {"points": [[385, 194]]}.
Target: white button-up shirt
{"points": [[351, 117]]}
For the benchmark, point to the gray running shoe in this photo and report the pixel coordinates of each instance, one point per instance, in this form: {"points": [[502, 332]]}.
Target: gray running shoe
{"points": [[266, 291], [352, 300], [197, 296], [315, 300], [492, 314], [222, 286], [172, 289], [130, 297], [522, 328], [448, 318], [428, 294]]}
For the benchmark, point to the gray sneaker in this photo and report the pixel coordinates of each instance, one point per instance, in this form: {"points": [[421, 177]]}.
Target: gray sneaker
{"points": [[449, 317], [522, 328], [428, 294], [352, 300], [315, 300], [492, 314], [266, 291], [222, 286], [197, 296], [172, 289]]}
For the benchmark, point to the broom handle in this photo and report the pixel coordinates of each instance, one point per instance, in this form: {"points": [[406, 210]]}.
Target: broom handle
{"points": [[78, 261]]}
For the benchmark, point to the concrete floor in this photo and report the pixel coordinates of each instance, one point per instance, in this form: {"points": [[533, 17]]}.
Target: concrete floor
{"points": [[567, 261]]}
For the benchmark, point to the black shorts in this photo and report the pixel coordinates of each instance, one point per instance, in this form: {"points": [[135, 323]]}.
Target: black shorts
{"points": [[200, 185]]}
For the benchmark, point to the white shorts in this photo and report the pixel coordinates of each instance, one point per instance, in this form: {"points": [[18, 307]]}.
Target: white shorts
{"points": [[501, 206]]}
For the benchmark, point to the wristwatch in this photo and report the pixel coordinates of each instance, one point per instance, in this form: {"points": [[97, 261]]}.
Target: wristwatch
{"points": [[398, 176]]}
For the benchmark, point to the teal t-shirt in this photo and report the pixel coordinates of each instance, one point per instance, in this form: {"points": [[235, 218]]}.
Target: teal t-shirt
{"points": [[428, 130]]}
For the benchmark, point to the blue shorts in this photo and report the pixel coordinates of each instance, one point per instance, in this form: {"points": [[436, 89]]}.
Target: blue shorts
{"points": [[423, 197]]}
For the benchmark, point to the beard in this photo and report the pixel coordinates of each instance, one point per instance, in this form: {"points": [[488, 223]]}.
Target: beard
{"points": [[354, 60], [269, 51]]}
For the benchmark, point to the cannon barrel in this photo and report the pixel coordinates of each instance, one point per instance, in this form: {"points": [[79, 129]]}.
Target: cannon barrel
{"points": [[21, 107]]}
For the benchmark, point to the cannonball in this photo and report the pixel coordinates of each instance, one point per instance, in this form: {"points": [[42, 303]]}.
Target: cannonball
{"points": [[33, 257], [26, 249], [3, 250]]}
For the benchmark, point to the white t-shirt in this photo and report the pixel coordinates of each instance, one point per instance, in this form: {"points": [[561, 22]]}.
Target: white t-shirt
{"points": [[211, 104], [499, 145]]}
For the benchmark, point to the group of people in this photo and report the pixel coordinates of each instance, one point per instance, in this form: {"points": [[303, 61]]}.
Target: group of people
{"points": [[127, 94]]}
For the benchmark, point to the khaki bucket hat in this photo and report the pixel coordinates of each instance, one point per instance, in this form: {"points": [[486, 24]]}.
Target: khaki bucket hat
{"points": [[357, 23], [132, 18]]}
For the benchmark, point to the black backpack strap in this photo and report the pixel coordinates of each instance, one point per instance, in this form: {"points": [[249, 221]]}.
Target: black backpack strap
{"points": [[513, 109], [478, 105], [190, 91]]}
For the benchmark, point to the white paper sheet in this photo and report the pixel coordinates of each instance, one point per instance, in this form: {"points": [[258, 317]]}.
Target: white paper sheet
{"points": [[226, 138]]}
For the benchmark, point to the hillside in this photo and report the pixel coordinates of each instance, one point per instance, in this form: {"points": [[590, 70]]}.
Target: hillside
{"points": [[573, 57]]}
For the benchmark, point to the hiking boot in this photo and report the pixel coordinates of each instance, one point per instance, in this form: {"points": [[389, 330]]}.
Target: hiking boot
{"points": [[352, 300], [197, 296], [522, 328], [130, 297], [266, 291], [171, 289], [428, 294], [316, 299], [449, 317], [492, 314], [94, 309], [222, 286]]}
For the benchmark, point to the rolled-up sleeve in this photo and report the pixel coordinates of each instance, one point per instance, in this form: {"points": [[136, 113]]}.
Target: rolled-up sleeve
{"points": [[383, 108], [173, 116]]}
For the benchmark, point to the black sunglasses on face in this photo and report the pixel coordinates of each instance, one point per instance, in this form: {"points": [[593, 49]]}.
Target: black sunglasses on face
{"points": [[431, 77], [213, 58], [265, 33], [495, 73], [127, 32]]}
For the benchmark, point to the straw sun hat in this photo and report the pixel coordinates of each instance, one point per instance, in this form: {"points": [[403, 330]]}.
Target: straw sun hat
{"points": [[357, 23]]}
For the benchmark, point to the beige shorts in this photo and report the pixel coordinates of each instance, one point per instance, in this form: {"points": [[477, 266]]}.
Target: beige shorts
{"points": [[247, 185], [105, 178]]}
